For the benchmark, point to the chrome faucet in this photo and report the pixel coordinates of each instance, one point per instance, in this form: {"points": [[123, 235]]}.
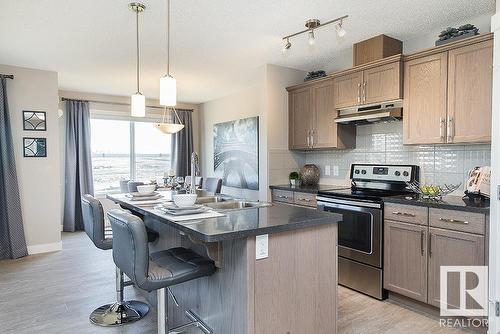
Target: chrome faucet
{"points": [[195, 171]]}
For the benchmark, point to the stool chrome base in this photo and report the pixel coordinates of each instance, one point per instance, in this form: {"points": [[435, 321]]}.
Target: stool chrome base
{"points": [[196, 322], [119, 313]]}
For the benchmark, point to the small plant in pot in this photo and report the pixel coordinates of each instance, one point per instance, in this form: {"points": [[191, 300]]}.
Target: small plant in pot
{"points": [[294, 179]]}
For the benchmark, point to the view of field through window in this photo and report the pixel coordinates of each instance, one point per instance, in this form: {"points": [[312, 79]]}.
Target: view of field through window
{"points": [[111, 146]]}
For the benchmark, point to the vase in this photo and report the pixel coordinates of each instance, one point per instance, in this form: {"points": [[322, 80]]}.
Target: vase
{"points": [[309, 175]]}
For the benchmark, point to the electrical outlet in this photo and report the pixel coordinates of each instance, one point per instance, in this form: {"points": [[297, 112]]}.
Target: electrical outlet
{"points": [[261, 246], [327, 170], [335, 170]]}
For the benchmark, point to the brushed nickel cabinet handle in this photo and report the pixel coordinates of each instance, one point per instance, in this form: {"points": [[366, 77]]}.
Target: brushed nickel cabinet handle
{"points": [[364, 91], [359, 92], [441, 128], [448, 130], [430, 244], [422, 241], [312, 138], [452, 128], [305, 199], [399, 213], [309, 138], [447, 220]]}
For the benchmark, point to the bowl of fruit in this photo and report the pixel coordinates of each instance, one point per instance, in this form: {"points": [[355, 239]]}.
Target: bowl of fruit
{"points": [[432, 191]]}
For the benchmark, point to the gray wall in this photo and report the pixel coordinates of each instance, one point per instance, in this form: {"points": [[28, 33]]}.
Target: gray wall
{"points": [[383, 143], [39, 178]]}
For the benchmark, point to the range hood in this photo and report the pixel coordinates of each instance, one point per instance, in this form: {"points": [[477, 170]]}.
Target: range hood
{"points": [[371, 113]]}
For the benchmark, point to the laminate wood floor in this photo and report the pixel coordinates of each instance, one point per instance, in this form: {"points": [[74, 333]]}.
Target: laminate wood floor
{"points": [[55, 293]]}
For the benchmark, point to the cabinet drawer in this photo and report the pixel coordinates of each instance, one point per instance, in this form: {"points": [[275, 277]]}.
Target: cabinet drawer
{"points": [[406, 213], [458, 220], [306, 199], [282, 196]]}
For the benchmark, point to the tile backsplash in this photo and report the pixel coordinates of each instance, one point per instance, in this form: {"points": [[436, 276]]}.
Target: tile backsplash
{"points": [[383, 143]]}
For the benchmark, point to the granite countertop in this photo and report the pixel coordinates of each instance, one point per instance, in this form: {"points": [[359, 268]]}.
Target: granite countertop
{"points": [[448, 202], [241, 223], [306, 189]]}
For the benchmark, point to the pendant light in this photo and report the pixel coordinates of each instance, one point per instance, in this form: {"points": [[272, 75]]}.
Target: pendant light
{"points": [[168, 93], [137, 101], [168, 84]]}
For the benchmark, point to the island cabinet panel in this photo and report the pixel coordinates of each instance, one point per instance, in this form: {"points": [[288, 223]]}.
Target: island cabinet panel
{"points": [[451, 248], [424, 111], [347, 89], [405, 259], [382, 83], [470, 75], [300, 118], [295, 288]]}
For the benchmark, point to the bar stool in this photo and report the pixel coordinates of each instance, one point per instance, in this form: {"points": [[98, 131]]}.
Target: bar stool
{"points": [[159, 270], [120, 312], [212, 184]]}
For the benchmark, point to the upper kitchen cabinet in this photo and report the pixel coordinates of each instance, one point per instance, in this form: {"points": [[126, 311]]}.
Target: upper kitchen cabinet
{"points": [[470, 76], [424, 110], [378, 81], [311, 119], [347, 89], [447, 93], [300, 118]]}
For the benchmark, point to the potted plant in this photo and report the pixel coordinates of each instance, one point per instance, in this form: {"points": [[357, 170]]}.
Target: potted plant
{"points": [[294, 179]]}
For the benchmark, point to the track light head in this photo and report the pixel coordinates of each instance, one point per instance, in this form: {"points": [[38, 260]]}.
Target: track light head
{"points": [[312, 39], [340, 30], [287, 46]]}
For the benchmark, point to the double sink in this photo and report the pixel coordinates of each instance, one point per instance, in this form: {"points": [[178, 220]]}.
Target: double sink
{"points": [[220, 203]]}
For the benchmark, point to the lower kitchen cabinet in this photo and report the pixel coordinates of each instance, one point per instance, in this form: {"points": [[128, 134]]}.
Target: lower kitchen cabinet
{"points": [[405, 259], [452, 248]]}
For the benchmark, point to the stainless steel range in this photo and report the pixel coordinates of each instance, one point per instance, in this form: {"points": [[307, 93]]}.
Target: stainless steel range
{"points": [[362, 229]]}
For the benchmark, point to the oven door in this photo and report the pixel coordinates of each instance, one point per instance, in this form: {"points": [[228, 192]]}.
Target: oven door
{"points": [[360, 230]]}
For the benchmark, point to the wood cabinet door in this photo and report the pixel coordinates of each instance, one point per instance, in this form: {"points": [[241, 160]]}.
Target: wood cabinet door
{"points": [[405, 259], [470, 75], [347, 90], [382, 83], [451, 248], [424, 111], [300, 118], [324, 128]]}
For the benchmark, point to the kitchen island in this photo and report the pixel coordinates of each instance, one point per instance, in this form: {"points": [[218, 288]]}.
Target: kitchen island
{"points": [[292, 289]]}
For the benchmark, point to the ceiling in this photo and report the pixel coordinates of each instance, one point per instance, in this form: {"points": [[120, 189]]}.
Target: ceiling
{"points": [[216, 44]]}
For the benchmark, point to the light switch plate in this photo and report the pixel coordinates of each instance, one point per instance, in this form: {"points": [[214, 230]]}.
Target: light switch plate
{"points": [[327, 170], [261, 246], [335, 170]]}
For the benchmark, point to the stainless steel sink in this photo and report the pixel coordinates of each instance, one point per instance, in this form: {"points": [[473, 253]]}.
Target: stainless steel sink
{"points": [[210, 199], [236, 205]]}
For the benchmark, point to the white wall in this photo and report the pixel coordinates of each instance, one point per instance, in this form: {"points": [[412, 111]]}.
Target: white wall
{"points": [[39, 178]]}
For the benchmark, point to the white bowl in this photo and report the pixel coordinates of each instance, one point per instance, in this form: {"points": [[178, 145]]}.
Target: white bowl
{"points": [[146, 189], [184, 200]]}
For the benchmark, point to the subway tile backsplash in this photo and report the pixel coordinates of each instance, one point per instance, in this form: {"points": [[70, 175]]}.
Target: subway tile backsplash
{"points": [[383, 143]]}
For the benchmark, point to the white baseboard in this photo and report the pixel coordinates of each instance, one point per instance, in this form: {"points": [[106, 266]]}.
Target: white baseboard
{"points": [[44, 248]]}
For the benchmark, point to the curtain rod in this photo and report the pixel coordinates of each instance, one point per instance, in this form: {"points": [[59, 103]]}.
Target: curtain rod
{"points": [[7, 76], [115, 103]]}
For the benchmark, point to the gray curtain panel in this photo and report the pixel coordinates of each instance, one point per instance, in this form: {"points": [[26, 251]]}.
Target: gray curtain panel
{"points": [[78, 164], [12, 241], [182, 144]]}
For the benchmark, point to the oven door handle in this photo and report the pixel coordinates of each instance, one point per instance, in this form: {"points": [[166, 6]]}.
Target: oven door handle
{"points": [[333, 202]]}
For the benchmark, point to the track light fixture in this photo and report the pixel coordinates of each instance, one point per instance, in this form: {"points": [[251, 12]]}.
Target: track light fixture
{"points": [[313, 24]]}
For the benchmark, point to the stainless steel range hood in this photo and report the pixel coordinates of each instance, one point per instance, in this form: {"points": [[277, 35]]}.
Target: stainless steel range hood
{"points": [[371, 113]]}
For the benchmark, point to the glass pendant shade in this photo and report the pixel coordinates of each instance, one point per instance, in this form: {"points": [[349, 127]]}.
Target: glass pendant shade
{"points": [[168, 91], [138, 105], [169, 128]]}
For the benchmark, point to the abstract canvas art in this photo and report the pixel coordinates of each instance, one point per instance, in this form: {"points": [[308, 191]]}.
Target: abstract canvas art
{"points": [[236, 153]]}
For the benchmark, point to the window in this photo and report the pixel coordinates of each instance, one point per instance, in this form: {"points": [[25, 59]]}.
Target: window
{"points": [[127, 150]]}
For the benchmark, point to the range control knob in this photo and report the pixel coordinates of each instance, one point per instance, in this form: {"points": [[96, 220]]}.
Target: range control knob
{"points": [[397, 173], [356, 171], [363, 172], [405, 173]]}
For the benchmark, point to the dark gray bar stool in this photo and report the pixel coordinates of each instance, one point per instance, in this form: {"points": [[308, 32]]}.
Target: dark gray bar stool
{"points": [[120, 312], [212, 184], [159, 270]]}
